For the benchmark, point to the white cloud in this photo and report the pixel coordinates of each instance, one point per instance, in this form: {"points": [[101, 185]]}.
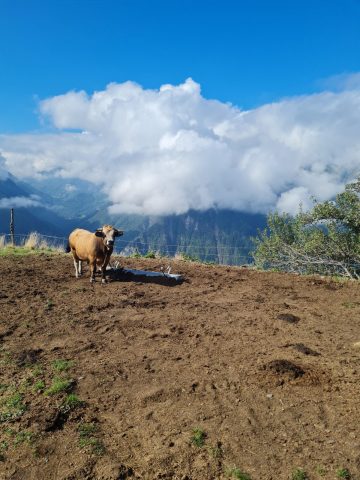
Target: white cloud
{"points": [[19, 202], [4, 174], [168, 150]]}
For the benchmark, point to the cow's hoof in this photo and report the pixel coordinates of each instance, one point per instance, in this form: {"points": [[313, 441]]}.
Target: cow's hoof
{"points": [[103, 280], [92, 280]]}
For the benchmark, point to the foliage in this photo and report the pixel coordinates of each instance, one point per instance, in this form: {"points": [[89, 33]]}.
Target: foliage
{"points": [[238, 474], [59, 385], [343, 473], [62, 365], [325, 240], [198, 437], [12, 407], [299, 474]]}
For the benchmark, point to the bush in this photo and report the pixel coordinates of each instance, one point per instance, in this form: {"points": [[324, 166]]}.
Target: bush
{"points": [[325, 240]]}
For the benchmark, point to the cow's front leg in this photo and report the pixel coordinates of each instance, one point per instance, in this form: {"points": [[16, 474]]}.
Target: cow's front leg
{"points": [[92, 270], [103, 269]]}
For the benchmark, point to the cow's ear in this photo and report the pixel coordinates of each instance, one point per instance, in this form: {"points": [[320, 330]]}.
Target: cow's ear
{"points": [[118, 233], [99, 232]]}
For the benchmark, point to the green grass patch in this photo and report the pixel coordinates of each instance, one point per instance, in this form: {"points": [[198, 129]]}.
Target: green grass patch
{"points": [[237, 473], [299, 474], [198, 437], [39, 386], [343, 473], [320, 471], [37, 370], [88, 440], [12, 407], [87, 430], [71, 402], [23, 437], [94, 444], [59, 385], [62, 365]]}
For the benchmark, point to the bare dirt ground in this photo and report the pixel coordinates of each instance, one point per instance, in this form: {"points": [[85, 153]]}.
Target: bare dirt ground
{"points": [[265, 365]]}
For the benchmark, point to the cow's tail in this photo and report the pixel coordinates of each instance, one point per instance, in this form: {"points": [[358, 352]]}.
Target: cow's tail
{"points": [[67, 248]]}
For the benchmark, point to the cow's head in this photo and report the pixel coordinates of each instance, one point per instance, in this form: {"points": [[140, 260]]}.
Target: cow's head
{"points": [[108, 233]]}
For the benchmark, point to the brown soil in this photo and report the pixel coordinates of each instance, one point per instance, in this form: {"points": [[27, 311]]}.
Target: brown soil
{"points": [[151, 362]]}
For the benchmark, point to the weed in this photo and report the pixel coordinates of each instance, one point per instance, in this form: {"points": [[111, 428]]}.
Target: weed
{"points": [[14, 408], [71, 402], [23, 437], [299, 474], [62, 365], [198, 437], [350, 304], [49, 305], [3, 387], [320, 471], [4, 445], [39, 386], [87, 430], [215, 452], [343, 473], [96, 445], [87, 433], [150, 254], [189, 258], [37, 370], [59, 385], [238, 474]]}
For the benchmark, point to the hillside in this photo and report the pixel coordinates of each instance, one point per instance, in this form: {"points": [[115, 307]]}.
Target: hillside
{"points": [[264, 365]]}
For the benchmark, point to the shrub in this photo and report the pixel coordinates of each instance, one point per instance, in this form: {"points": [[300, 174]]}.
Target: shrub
{"points": [[325, 240]]}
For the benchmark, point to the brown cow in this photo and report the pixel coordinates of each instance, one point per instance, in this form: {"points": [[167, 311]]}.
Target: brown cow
{"points": [[95, 248]]}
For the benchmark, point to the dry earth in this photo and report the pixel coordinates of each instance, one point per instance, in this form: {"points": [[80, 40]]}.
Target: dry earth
{"points": [[265, 364]]}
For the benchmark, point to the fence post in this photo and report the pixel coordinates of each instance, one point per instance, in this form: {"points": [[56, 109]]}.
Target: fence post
{"points": [[12, 227]]}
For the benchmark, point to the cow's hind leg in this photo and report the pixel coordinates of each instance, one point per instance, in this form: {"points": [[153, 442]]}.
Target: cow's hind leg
{"points": [[77, 265]]}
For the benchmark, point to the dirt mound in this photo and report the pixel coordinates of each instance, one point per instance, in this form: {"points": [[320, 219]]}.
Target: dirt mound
{"points": [[191, 381]]}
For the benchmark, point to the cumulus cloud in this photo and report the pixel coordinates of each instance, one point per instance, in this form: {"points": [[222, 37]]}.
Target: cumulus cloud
{"points": [[19, 202], [4, 174], [170, 150]]}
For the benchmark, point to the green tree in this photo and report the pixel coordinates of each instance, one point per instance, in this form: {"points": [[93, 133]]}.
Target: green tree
{"points": [[325, 240]]}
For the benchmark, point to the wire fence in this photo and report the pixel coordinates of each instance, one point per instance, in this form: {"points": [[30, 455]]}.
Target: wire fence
{"points": [[221, 254]]}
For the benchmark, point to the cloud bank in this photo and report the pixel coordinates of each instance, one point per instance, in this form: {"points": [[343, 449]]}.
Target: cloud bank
{"points": [[19, 202], [167, 151]]}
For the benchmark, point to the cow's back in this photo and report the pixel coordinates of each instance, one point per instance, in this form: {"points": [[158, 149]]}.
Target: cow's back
{"points": [[84, 243]]}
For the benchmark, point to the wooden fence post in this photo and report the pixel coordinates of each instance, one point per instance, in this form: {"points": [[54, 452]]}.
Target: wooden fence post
{"points": [[12, 227]]}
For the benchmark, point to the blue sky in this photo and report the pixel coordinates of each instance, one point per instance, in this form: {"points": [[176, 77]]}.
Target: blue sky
{"points": [[247, 52]]}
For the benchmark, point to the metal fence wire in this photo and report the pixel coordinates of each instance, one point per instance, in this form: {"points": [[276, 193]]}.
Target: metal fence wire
{"points": [[221, 254]]}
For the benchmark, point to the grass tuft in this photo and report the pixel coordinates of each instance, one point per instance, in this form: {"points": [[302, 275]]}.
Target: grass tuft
{"points": [[343, 473], [238, 474], [59, 385], [198, 437], [62, 365], [299, 474]]}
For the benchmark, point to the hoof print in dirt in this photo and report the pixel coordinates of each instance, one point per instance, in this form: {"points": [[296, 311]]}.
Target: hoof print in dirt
{"points": [[288, 317], [285, 368], [125, 472], [28, 357], [57, 422], [300, 347]]}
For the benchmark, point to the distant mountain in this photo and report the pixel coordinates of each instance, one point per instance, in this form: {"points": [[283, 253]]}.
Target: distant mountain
{"points": [[63, 204], [221, 236], [34, 210]]}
